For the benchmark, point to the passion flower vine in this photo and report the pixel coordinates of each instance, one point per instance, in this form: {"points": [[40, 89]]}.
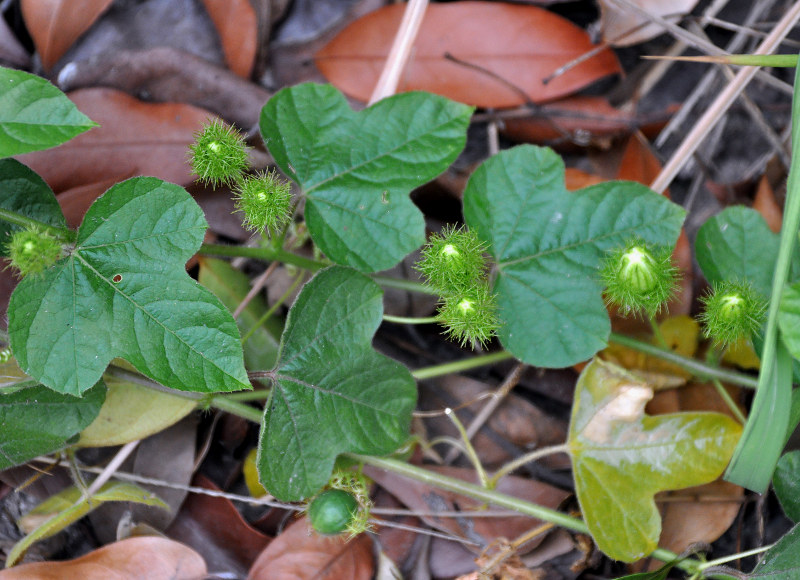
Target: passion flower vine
{"points": [[32, 251], [218, 155], [470, 316], [732, 311], [638, 278]]}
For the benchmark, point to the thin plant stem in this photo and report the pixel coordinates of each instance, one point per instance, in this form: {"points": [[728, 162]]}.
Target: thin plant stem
{"points": [[410, 319], [468, 448], [502, 500], [527, 458], [267, 253], [61, 234], [723, 392], [657, 332], [111, 468], [408, 285], [247, 396], [223, 403], [720, 561], [696, 367], [461, 365], [274, 307]]}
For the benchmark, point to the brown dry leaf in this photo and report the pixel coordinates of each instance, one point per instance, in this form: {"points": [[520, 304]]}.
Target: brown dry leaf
{"points": [[479, 53], [235, 21], [300, 553], [621, 26], [54, 25], [426, 499], [134, 138], [582, 120], [74, 202], [213, 526], [765, 204], [141, 558], [577, 179]]}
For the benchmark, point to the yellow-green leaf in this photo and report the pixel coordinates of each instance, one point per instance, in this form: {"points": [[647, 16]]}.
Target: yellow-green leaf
{"points": [[622, 457], [132, 412], [67, 507]]}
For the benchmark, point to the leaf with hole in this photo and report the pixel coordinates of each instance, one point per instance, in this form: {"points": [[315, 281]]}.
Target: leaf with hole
{"points": [[622, 457], [548, 243], [122, 291], [357, 169], [332, 393]]}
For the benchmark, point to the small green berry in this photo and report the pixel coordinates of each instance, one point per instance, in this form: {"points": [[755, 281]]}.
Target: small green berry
{"points": [[266, 201], [218, 155], [638, 278], [733, 310], [471, 315], [32, 251], [453, 261], [332, 511]]}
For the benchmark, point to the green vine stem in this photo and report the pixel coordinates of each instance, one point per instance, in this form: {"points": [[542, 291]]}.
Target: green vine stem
{"points": [[461, 365], [696, 367], [267, 253], [502, 500], [410, 320], [62, 234]]}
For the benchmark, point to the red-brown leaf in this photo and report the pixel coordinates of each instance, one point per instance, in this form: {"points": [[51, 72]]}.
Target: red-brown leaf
{"points": [[134, 138], [507, 45], [299, 553], [142, 558], [54, 25], [235, 21]]}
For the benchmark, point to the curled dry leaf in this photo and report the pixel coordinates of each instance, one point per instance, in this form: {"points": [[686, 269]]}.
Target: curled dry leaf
{"points": [[55, 25], [485, 54], [621, 26], [134, 138], [142, 558], [301, 553], [765, 204]]}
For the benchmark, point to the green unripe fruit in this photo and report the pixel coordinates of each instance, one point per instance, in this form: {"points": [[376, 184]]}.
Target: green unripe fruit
{"points": [[732, 311], [32, 251], [218, 154], [638, 278], [332, 511]]}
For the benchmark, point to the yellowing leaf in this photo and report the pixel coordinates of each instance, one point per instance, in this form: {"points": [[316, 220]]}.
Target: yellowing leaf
{"points": [[250, 472], [622, 457], [67, 507], [132, 412]]}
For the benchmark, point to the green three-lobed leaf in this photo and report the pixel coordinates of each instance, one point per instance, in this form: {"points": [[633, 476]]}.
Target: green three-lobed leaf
{"points": [[621, 457], [35, 115], [548, 243], [357, 169], [332, 393], [122, 291]]}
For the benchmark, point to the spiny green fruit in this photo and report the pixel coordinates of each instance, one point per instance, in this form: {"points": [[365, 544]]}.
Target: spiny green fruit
{"points": [[453, 261], [471, 315], [266, 201], [733, 310], [32, 251], [638, 278], [332, 511], [218, 155]]}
